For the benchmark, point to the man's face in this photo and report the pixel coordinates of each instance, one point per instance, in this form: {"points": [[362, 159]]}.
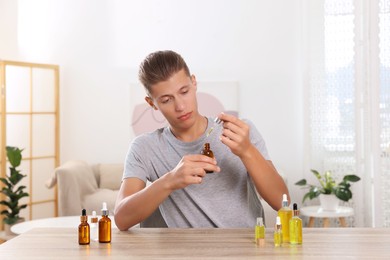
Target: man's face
{"points": [[176, 100]]}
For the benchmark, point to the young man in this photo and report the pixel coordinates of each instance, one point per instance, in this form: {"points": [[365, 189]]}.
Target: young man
{"points": [[170, 159]]}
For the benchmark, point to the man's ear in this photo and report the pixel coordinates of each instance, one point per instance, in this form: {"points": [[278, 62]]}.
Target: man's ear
{"points": [[150, 102], [194, 82]]}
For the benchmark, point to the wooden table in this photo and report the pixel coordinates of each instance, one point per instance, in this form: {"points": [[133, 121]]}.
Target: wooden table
{"points": [[150, 243], [317, 212]]}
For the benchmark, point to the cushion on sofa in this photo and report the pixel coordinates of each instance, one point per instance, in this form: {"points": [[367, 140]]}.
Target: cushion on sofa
{"points": [[95, 201], [110, 176], [84, 177]]}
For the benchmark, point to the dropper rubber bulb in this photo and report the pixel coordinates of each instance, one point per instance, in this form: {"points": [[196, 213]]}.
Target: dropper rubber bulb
{"points": [[284, 201]]}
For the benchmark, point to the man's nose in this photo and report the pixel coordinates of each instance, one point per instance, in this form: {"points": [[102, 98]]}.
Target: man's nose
{"points": [[179, 104]]}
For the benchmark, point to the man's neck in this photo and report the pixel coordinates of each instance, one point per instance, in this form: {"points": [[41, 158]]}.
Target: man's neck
{"points": [[192, 133]]}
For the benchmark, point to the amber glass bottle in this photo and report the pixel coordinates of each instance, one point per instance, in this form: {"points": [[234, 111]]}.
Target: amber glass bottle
{"points": [[206, 151], [104, 226], [84, 232]]}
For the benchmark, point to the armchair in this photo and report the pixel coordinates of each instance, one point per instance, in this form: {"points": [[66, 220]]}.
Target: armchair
{"points": [[80, 185]]}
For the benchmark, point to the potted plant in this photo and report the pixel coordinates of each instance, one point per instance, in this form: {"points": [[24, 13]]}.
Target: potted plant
{"points": [[328, 186], [12, 191]]}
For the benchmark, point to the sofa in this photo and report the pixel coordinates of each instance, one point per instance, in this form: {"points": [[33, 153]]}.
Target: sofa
{"points": [[82, 185]]}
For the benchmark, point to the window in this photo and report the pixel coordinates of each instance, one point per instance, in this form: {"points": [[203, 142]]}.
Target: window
{"points": [[348, 90]]}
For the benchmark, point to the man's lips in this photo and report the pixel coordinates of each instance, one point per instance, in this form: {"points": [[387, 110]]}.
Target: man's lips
{"points": [[185, 116]]}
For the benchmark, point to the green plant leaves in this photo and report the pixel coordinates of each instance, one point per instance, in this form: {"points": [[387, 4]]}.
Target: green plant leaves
{"points": [[12, 190], [328, 185], [15, 176], [301, 182], [351, 178], [14, 155], [343, 193]]}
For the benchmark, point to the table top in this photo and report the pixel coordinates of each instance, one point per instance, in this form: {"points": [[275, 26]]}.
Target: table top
{"points": [[67, 222], [318, 212], [216, 243]]}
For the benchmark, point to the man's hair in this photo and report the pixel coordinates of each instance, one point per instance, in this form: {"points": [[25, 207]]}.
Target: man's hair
{"points": [[160, 66]]}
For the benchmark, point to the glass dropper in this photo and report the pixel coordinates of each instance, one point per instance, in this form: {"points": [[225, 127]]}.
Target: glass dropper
{"points": [[217, 121]]}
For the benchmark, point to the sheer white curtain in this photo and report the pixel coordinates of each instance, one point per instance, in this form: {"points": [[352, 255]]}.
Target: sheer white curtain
{"points": [[348, 99], [384, 109]]}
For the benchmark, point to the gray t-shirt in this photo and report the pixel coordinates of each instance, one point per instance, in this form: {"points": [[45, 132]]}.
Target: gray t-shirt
{"points": [[224, 199]]}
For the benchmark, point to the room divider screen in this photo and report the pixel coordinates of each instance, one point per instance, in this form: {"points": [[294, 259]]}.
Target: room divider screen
{"points": [[29, 120]]}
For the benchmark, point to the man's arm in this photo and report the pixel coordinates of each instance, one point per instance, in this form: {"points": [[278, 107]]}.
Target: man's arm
{"points": [[267, 180], [136, 202]]}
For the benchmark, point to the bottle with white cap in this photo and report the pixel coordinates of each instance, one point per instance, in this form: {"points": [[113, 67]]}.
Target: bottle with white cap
{"points": [[285, 214], [278, 233], [259, 232], [104, 226], [94, 227]]}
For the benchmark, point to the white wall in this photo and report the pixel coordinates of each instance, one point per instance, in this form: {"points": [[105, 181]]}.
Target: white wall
{"points": [[99, 45]]}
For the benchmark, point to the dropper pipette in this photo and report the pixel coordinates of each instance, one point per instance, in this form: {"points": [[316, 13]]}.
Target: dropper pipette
{"points": [[216, 121]]}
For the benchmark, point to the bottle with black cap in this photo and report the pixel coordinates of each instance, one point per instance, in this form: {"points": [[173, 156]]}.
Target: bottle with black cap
{"points": [[84, 232], [295, 227]]}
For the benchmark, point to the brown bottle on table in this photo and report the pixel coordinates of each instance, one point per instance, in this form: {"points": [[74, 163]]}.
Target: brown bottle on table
{"points": [[84, 232], [207, 151], [104, 226]]}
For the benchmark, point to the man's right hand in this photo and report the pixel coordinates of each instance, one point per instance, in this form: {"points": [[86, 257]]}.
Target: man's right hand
{"points": [[190, 170]]}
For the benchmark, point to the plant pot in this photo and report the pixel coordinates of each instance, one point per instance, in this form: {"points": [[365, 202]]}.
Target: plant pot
{"points": [[329, 202], [7, 228]]}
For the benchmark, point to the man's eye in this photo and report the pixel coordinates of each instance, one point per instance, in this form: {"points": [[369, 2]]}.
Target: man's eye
{"points": [[165, 100]]}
